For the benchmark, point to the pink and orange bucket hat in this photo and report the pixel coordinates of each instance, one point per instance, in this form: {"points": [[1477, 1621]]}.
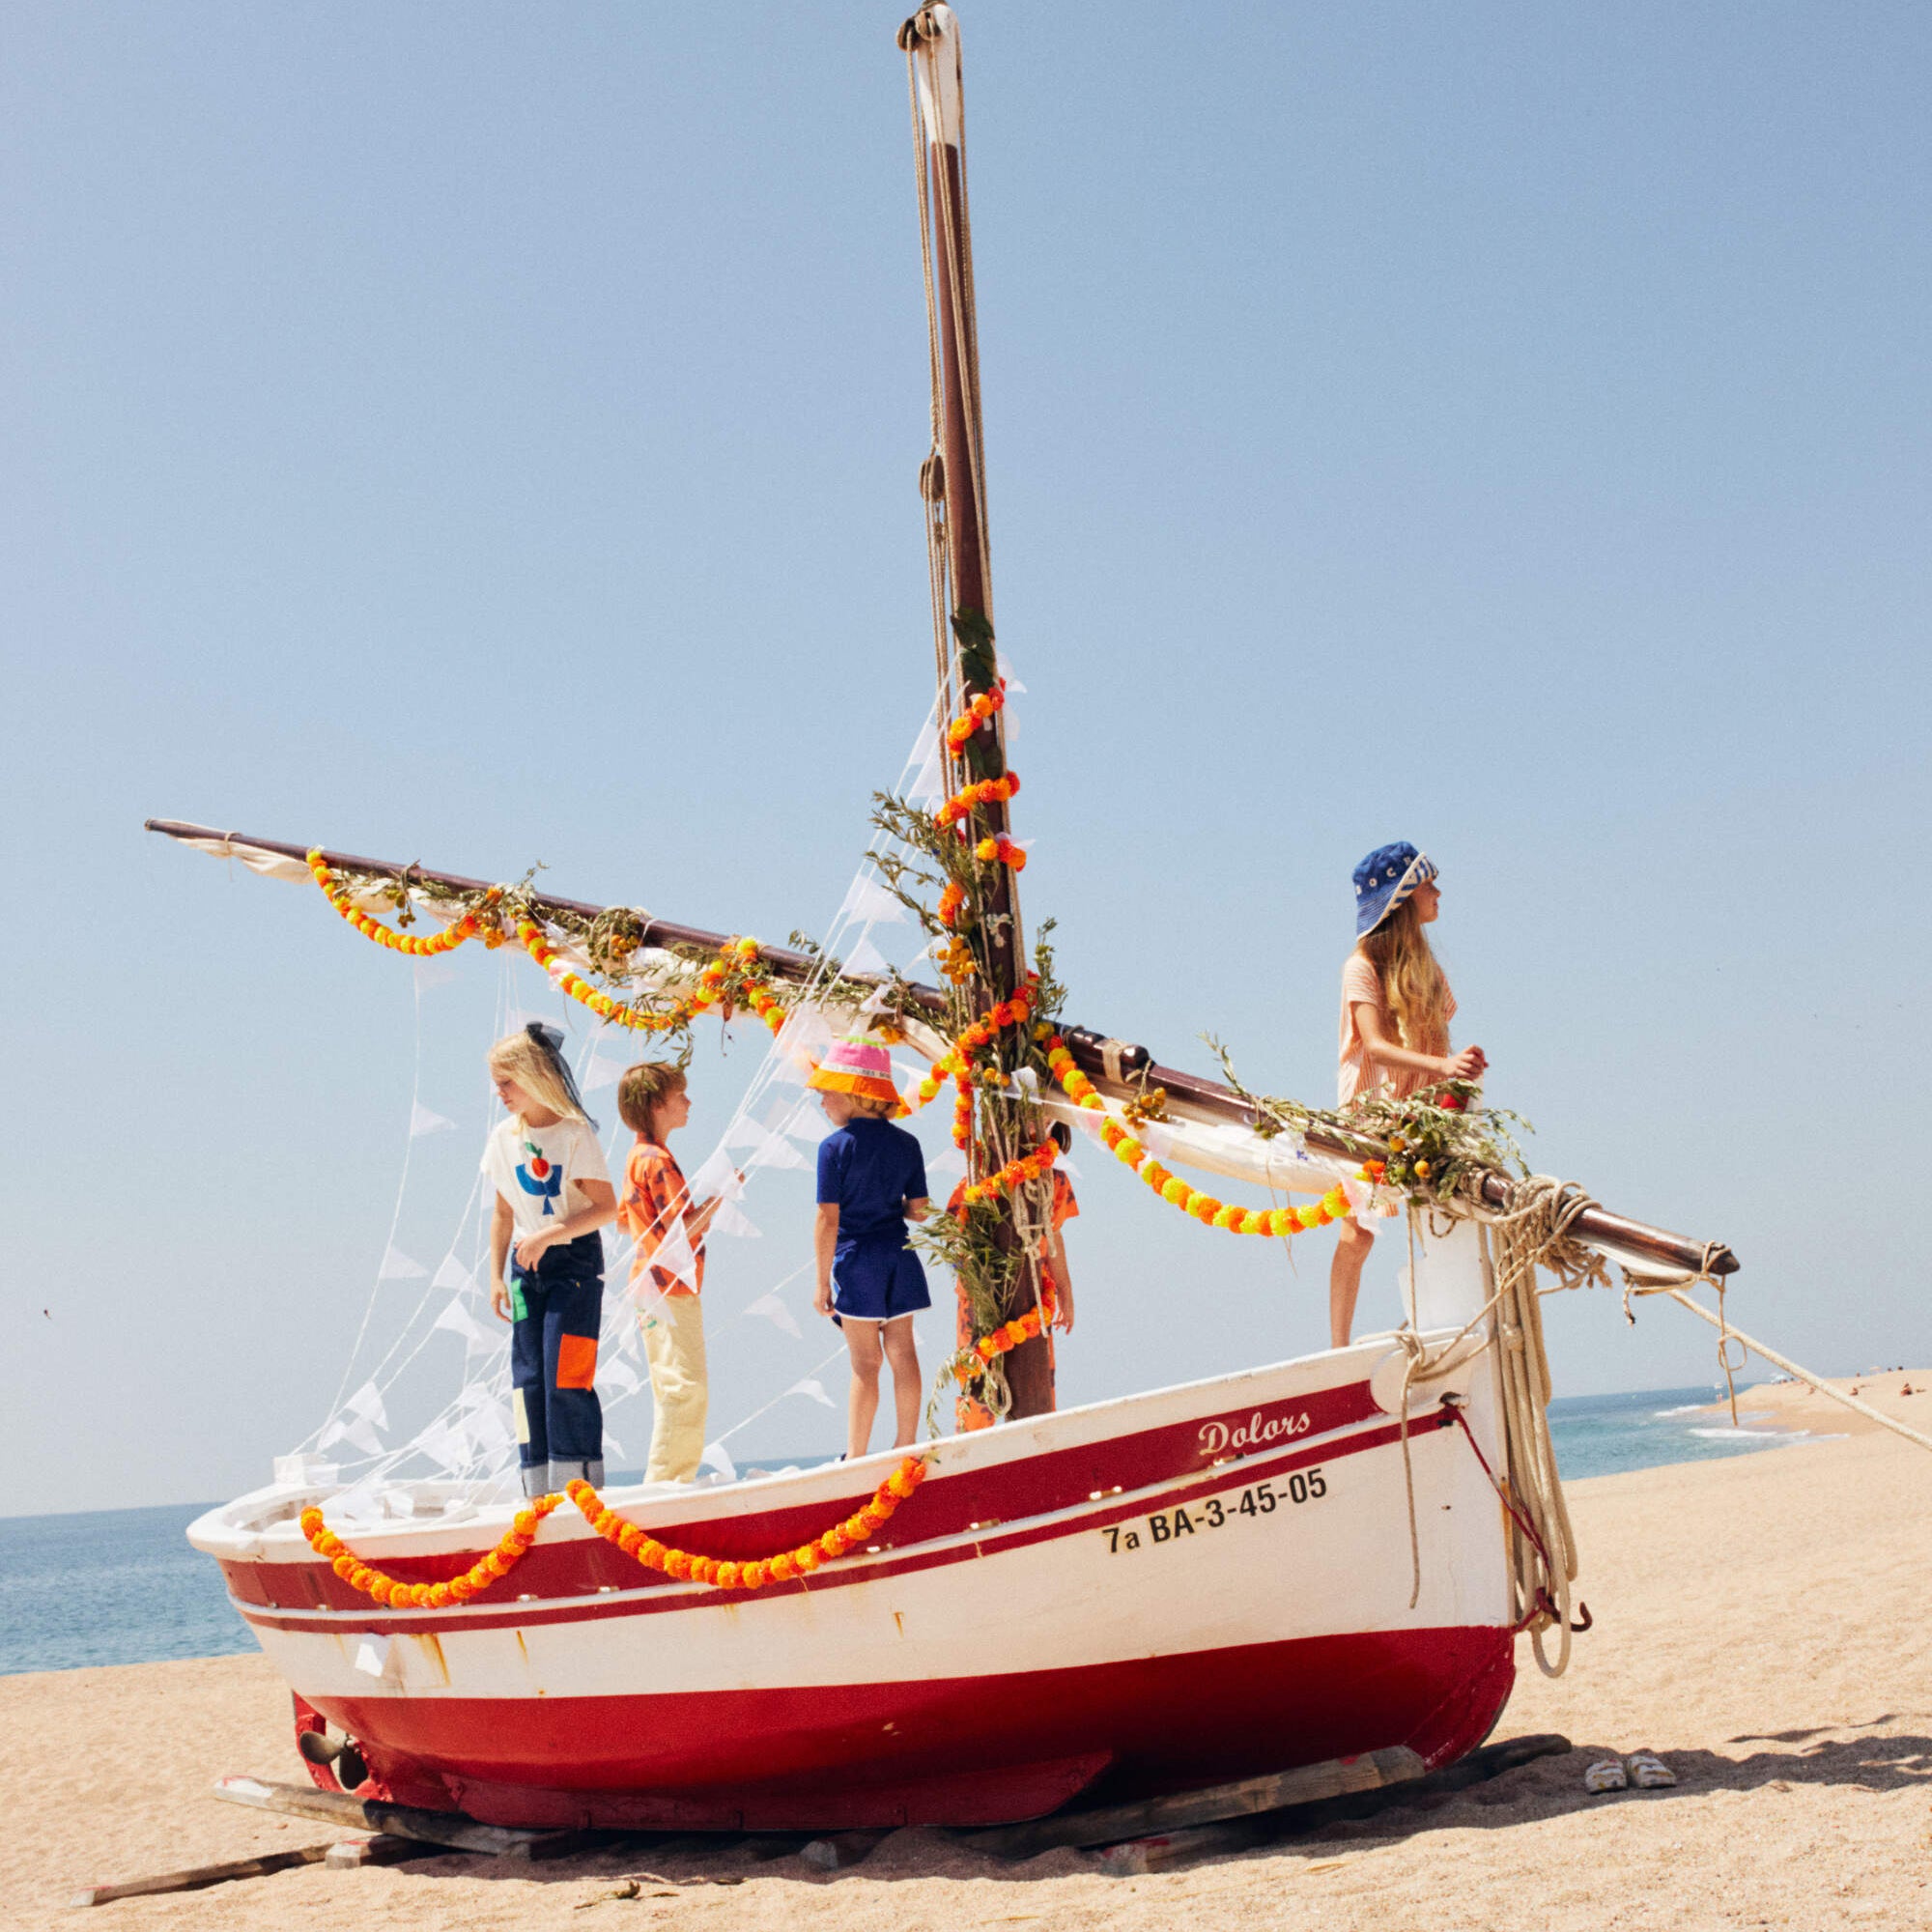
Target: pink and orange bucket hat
{"points": [[856, 1066]]}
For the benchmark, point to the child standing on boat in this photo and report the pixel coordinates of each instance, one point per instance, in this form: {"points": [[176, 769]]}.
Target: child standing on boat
{"points": [[658, 1212], [1396, 1010], [968, 1413], [872, 1183], [553, 1193]]}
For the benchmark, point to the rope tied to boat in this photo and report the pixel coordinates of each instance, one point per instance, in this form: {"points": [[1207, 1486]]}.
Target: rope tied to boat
{"points": [[1531, 1231], [1639, 1284]]}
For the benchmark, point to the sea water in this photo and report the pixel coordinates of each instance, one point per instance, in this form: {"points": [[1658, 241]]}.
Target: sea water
{"points": [[123, 1586]]}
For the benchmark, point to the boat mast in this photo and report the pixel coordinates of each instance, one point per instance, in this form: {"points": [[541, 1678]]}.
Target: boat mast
{"points": [[954, 483]]}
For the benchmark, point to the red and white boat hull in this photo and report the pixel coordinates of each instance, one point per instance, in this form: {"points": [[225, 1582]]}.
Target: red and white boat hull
{"points": [[1175, 1588]]}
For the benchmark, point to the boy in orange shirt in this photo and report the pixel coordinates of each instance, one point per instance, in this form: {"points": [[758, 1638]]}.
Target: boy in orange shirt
{"points": [[656, 1209]]}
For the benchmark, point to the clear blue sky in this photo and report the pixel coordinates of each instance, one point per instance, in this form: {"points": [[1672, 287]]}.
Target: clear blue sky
{"points": [[486, 435]]}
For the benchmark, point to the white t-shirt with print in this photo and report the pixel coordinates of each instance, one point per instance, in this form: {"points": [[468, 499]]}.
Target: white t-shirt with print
{"points": [[541, 1171]]}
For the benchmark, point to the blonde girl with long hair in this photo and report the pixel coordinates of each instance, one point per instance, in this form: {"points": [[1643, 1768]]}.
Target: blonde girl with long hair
{"points": [[1396, 1010], [553, 1192]]}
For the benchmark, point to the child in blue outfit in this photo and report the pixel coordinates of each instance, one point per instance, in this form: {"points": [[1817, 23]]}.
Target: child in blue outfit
{"points": [[872, 1183]]}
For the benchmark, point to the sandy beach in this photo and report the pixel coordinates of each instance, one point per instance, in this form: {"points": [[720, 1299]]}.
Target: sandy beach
{"points": [[1760, 1623]]}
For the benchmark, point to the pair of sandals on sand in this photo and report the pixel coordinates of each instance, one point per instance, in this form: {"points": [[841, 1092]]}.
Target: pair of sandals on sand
{"points": [[1644, 1770]]}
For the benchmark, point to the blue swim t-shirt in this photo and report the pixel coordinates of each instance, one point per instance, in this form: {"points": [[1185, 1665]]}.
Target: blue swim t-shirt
{"points": [[870, 1169]]}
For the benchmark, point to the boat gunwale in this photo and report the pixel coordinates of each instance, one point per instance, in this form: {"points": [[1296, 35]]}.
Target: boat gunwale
{"points": [[1093, 1513], [216, 1535]]}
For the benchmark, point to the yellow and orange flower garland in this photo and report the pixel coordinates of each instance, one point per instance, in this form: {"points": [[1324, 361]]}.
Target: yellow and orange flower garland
{"points": [[970, 1364], [1179, 1193], [486, 1570], [851, 1534], [1001, 850], [736, 959], [957, 1063], [989, 792], [978, 712], [1029, 1167], [468, 926]]}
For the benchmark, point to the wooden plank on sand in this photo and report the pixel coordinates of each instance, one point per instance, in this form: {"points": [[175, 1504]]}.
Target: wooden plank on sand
{"points": [[191, 1878], [449, 1829], [1109, 1825], [1167, 1849]]}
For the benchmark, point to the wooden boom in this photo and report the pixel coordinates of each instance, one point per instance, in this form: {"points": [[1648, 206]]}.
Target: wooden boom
{"points": [[1115, 1066]]}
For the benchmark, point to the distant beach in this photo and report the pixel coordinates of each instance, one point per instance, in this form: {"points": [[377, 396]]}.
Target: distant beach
{"points": [[1759, 1622], [122, 1586]]}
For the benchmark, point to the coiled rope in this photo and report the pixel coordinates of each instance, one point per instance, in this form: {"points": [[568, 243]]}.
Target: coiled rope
{"points": [[1531, 1232]]}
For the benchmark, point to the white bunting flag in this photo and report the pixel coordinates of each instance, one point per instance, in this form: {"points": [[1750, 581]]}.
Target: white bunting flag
{"points": [[868, 902], [367, 1403], [490, 1427], [947, 1160], [864, 956], [675, 1254], [398, 1266], [716, 1456], [459, 1321], [718, 1178], [774, 1311], [602, 1070], [451, 1273], [797, 1119], [448, 1448], [811, 1386], [423, 1120], [354, 1430], [1014, 688], [618, 1374], [732, 1219], [431, 974], [773, 1151]]}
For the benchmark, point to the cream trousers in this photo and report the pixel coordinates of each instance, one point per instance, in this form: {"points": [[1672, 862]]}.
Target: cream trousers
{"points": [[674, 1328]]}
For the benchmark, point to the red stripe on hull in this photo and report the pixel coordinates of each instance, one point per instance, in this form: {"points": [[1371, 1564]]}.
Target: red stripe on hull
{"points": [[1041, 1485], [948, 1751]]}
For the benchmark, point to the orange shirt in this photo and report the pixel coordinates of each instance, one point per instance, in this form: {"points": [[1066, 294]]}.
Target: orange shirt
{"points": [[655, 1201]]}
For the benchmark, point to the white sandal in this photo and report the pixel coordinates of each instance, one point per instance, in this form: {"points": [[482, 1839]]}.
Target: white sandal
{"points": [[1606, 1774], [1648, 1772]]}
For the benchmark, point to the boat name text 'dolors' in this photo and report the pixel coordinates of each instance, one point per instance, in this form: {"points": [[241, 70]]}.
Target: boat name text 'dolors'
{"points": [[1219, 1437]]}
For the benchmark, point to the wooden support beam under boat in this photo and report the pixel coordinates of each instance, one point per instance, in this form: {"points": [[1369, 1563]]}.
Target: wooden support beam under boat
{"points": [[1116, 1066]]}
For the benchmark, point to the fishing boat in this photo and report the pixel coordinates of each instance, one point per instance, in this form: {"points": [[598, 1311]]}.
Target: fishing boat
{"points": [[1310, 1560]]}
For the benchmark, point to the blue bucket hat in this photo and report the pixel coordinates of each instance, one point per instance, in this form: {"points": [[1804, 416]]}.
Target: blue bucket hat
{"points": [[1384, 879]]}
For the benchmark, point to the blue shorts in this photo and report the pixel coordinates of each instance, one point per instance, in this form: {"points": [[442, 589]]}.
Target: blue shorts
{"points": [[877, 1278]]}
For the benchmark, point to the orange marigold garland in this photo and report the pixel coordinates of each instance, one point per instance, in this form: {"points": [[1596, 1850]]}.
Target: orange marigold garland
{"points": [[735, 961], [964, 804], [468, 926], [853, 1533], [1029, 1167], [957, 1063], [509, 1552], [970, 1364], [1192, 1200], [978, 712], [1002, 851]]}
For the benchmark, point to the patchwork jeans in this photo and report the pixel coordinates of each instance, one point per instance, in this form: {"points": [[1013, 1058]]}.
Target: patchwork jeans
{"points": [[556, 1313]]}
